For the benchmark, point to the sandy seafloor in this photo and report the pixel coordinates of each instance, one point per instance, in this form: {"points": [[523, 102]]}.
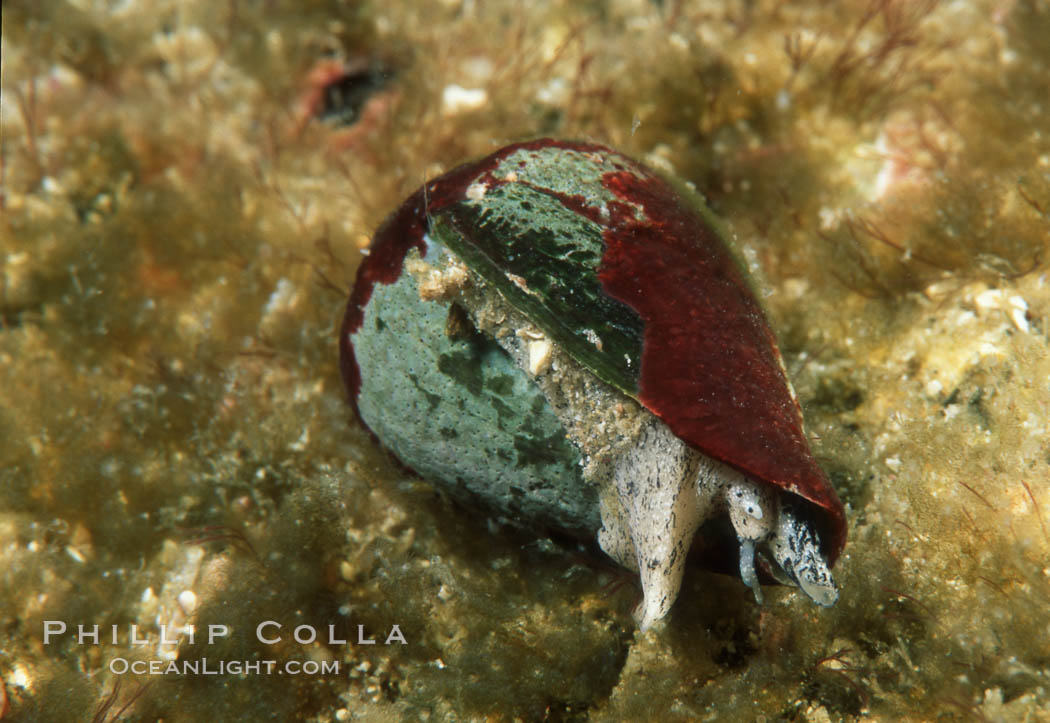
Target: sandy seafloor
{"points": [[179, 233]]}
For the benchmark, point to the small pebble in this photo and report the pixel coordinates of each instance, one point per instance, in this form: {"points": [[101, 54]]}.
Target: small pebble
{"points": [[187, 601]]}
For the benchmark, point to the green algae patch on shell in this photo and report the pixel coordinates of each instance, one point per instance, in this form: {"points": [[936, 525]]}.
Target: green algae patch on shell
{"points": [[548, 269], [457, 409]]}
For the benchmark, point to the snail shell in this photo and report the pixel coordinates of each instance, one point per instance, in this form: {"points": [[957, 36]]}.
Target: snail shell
{"points": [[559, 334]]}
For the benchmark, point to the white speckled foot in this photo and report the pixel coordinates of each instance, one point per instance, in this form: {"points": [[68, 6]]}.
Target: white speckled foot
{"points": [[661, 510], [614, 537]]}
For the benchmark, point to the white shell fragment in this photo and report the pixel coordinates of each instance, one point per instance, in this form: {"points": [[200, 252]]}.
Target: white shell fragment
{"points": [[540, 351]]}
